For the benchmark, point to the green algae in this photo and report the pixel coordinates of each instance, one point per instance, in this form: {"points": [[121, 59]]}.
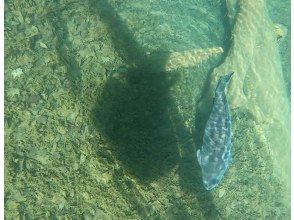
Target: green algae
{"points": [[91, 134]]}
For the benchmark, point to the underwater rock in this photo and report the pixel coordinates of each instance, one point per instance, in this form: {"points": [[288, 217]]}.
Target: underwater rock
{"points": [[191, 58], [169, 61], [280, 31], [258, 84], [17, 72]]}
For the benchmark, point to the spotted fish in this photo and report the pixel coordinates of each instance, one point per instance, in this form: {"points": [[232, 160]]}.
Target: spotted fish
{"points": [[214, 156]]}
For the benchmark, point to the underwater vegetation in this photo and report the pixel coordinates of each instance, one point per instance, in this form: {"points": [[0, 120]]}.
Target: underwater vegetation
{"points": [[106, 104]]}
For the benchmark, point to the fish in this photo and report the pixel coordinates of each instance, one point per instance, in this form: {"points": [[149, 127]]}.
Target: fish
{"points": [[215, 156]]}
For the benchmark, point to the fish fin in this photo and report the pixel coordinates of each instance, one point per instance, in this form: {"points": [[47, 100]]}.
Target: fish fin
{"points": [[230, 159], [199, 156]]}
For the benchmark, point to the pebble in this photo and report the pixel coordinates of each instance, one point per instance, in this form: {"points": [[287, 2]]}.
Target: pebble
{"points": [[17, 72], [43, 45], [221, 193]]}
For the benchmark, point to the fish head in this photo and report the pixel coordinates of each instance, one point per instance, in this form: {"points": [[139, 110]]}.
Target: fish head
{"points": [[213, 169]]}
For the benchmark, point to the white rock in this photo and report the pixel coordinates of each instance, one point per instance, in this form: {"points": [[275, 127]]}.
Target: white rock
{"points": [[43, 45], [221, 193]]}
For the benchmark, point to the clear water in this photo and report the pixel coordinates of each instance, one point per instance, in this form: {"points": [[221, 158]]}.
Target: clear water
{"points": [[96, 127]]}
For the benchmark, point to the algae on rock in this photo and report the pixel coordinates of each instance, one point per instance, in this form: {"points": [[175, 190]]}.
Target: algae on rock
{"points": [[257, 86]]}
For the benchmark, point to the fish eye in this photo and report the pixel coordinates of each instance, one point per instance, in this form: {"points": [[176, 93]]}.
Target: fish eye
{"points": [[214, 181]]}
